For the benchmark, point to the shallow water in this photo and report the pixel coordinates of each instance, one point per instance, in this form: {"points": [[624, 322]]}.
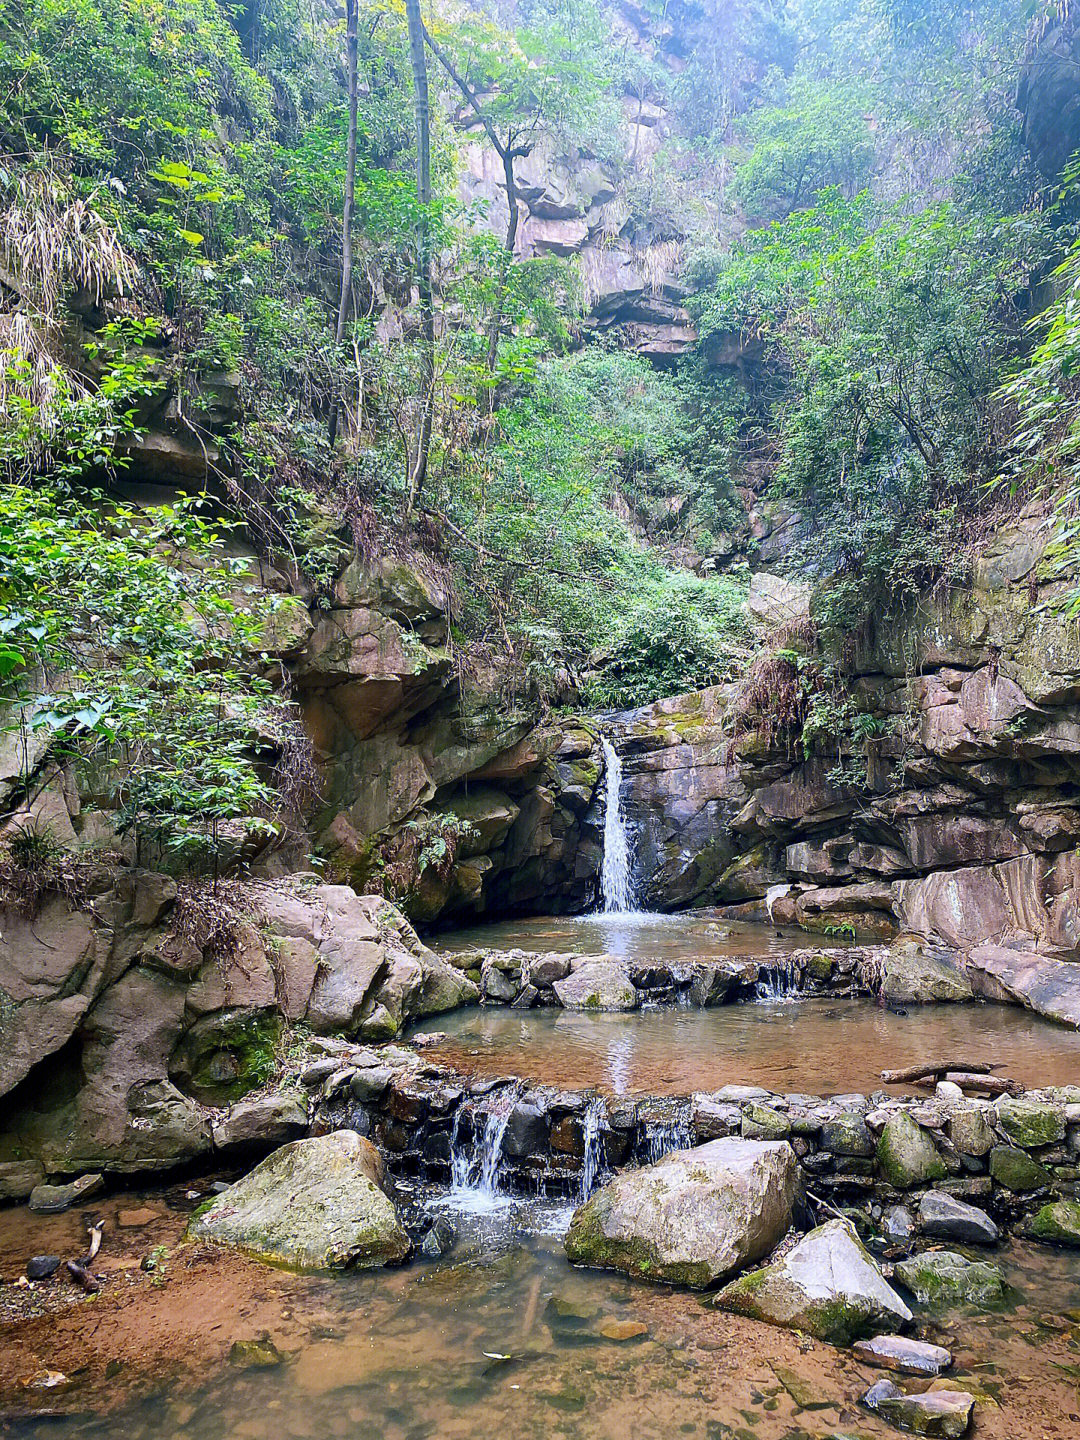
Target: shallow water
{"points": [[502, 1338], [692, 935], [817, 1046]]}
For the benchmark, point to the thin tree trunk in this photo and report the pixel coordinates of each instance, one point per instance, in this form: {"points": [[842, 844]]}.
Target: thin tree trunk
{"points": [[419, 460], [350, 192], [507, 152]]}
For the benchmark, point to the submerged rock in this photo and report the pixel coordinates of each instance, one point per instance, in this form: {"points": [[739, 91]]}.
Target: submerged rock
{"points": [[694, 1217], [907, 1155], [907, 1357], [946, 1218], [828, 1285], [1057, 1224], [316, 1204], [945, 1413], [945, 1280]]}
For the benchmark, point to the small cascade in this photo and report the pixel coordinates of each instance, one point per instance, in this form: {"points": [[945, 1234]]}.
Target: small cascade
{"points": [[616, 885], [475, 1167], [594, 1150], [663, 1132], [779, 980]]}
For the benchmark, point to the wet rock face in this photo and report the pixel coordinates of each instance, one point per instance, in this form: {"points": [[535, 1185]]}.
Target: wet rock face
{"points": [[693, 1218], [1049, 95], [316, 1204], [828, 1286], [944, 1280]]}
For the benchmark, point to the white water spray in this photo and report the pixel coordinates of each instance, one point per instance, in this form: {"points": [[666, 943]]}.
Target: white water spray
{"points": [[615, 884]]}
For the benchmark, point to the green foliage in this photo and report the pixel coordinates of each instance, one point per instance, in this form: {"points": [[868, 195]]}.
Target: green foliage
{"points": [[124, 633], [815, 138], [885, 338]]}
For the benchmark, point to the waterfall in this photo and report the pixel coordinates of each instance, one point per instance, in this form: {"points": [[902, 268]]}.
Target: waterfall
{"points": [[593, 1146], [615, 883], [778, 980], [476, 1167], [664, 1130]]}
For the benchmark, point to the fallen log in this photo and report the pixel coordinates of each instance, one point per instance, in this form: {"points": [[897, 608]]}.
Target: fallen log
{"points": [[992, 1084], [921, 1072]]}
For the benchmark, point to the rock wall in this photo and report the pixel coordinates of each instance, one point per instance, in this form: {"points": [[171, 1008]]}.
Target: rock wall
{"points": [[123, 1038]]}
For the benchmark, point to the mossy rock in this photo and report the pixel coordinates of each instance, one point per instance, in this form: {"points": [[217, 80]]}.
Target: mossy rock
{"points": [[225, 1055], [945, 1280], [906, 1154], [1017, 1171], [1057, 1224], [1030, 1123], [759, 1122]]}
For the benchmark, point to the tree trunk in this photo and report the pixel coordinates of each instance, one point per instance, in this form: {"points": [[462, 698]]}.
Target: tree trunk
{"points": [[419, 459], [508, 246], [350, 192]]}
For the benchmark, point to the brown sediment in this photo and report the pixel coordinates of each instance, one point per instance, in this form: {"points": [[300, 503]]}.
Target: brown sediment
{"points": [[416, 1339]]}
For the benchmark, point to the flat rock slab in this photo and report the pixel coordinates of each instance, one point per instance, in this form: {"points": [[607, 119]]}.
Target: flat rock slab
{"points": [[52, 1199], [694, 1217], [315, 1204], [828, 1285], [907, 1357], [946, 1218], [945, 1413]]}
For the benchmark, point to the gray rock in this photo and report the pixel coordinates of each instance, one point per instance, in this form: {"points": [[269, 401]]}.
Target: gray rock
{"points": [[546, 969], [40, 1267], [316, 1204], [369, 1086], [898, 1224], [944, 1280], [439, 1239], [828, 1285], [526, 1130], [19, 1177], [944, 1413], [946, 1218], [906, 1357], [694, 1217], [265, 1120], [52, 1199], [970, 1131], [600, 984]]}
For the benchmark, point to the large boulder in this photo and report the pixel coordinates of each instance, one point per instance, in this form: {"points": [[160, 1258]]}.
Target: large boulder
{"points": [[693, 1218], [597, 983], [316, 1204], [828, 1285]]}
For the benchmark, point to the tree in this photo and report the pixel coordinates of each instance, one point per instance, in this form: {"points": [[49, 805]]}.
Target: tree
{"points": [[518, 87], [418, 461], [350, 192]]}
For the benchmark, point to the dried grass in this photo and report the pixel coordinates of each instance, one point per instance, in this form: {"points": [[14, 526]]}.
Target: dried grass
{"points": [[33, 866], [51, 242], [774, 698], [212, 918]]}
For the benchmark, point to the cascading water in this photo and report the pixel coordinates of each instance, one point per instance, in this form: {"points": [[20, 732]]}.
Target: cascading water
{"points": [[475, 1167], [616, 886], [779, 980], [593, 1146]]}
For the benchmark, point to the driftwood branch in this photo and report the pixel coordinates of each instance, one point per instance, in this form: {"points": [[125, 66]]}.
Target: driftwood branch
{"points": [[936, 1068]]}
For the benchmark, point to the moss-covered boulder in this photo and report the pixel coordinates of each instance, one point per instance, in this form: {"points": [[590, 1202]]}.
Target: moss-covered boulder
{"points": [[906, 1154], [1030, 1123], [1057, 1224], [945, 1280], [693, 1218], [828, 1285], [1017, 1171], [761, 1122], [316, 1204]]}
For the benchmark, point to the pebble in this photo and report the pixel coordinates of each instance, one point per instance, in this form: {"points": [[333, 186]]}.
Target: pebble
{"points": [[40, 1267]]}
